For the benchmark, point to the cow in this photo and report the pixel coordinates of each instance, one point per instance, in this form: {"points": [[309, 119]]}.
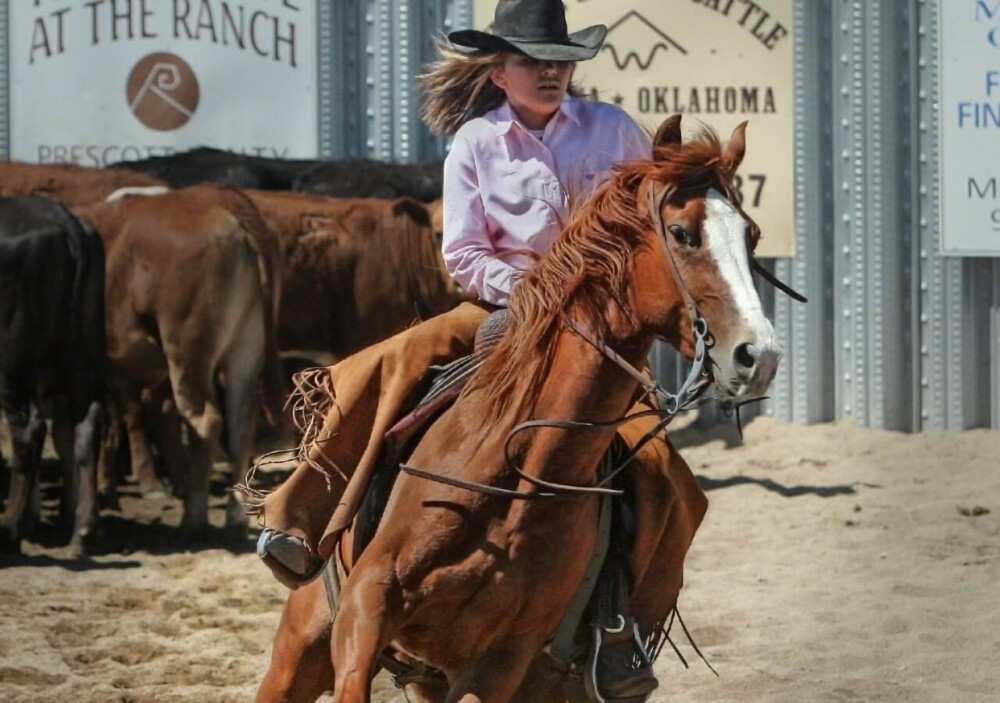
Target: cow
{"points": [[356, 271], [351, 178], [51, 345], [68, 184], [192, 284], [364, 178], [205, 164]]}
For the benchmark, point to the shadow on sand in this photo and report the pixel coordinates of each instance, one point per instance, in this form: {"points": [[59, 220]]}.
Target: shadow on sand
{"points": [[715, 427], [711, 484], [148, 524]]}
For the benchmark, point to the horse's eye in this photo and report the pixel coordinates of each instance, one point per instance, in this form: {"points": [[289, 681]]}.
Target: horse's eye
{"points": [[681, 235]]}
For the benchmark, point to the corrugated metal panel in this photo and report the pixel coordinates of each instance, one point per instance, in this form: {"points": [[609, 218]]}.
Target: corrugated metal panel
{"points": [[914, 341], [995, 349], [4, 84], [371, 52], [804, 390]]}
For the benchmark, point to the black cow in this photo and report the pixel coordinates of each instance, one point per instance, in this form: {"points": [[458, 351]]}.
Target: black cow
{"points": [[354, 178], [205, 164], [363, 178], [51, 347]]}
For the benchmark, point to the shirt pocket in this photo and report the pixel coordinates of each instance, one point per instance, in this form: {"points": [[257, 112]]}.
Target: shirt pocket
{"points": [[525, 190], [587, 173]]}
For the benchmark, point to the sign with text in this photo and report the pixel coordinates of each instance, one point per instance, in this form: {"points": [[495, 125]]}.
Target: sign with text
{"points": [[94, 82], [718, 62], [969, 103]]}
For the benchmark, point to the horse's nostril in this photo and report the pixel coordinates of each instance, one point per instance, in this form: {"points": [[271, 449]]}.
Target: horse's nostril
{"points": [[743, 356]]}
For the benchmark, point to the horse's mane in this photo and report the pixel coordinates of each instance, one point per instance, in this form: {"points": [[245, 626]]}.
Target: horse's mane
{"points": [[588, 269]]}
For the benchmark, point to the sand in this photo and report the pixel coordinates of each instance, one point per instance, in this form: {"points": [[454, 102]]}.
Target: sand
{"points": [[835, 564]]}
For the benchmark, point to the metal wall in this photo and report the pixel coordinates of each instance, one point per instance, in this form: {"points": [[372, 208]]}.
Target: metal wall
{"points": [[895, 335]]}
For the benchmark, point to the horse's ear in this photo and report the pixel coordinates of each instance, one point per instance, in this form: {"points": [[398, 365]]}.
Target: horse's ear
{"points": [[736, 148], [669, 132]]}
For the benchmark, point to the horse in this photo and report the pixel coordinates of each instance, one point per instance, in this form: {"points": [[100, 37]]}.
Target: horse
{"points": [[459, 575]]}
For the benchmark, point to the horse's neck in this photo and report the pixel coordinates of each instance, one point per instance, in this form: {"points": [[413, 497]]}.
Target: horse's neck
{"points": [[585, 386]]}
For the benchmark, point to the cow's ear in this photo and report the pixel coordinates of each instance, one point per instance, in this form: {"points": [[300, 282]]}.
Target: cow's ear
{"points": [[416, 211], [669, 132]]}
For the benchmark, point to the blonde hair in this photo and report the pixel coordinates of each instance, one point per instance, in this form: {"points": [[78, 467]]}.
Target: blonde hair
{"points": [[457, 87]]}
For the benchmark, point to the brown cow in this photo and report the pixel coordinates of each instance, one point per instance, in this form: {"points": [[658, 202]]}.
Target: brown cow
{"points": [[192, 286], [356, 270], [68, 184]]}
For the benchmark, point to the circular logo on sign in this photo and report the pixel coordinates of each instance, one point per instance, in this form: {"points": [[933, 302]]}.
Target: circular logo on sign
{"points": [[162, 91]]}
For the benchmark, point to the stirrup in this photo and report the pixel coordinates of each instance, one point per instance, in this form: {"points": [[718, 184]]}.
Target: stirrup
{"points": [[590, 685], [289, 558]]}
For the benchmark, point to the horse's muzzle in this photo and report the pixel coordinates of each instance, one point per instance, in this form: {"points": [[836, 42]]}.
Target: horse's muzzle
{"points": [[755, 369]]}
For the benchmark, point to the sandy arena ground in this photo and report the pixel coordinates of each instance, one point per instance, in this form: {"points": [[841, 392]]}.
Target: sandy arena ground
{"points": [[835, 564]]}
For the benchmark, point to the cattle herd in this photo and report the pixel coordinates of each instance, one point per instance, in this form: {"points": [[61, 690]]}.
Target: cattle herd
{"points": [[149, 306]]}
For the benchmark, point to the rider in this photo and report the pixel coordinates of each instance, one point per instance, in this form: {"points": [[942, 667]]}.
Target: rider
{"points": [[526, 147]]}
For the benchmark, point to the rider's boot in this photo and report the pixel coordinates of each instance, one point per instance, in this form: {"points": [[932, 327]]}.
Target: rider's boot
{"points": [[622, 671], [288, 557]]}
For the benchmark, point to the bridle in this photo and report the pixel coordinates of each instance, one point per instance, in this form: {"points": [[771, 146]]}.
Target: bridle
{"points": [[668, 404]]}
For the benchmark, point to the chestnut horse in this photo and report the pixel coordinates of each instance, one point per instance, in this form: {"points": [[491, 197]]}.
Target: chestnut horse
{"points": [[473, 583]]}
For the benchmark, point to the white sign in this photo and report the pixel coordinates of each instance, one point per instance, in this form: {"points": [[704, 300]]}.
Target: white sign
{"points": [[99, 81], [970, 127], [717, 62]]}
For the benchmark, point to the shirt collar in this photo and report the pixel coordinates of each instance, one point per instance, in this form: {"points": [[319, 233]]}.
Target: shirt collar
{"points": [[505, 117]]}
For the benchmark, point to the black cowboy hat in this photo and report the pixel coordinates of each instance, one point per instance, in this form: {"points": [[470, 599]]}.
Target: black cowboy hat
{"points": [[536, 28]]}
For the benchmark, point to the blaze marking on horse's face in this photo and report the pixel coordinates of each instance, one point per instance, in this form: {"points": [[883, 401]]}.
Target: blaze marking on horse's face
{"points": [[726, 241], [749, 356]]}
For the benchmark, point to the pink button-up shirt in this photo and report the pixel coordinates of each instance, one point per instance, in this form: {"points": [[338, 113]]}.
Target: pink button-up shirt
{"points": [[507, 194]]}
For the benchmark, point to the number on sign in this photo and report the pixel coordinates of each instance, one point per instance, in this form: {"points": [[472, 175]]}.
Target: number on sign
{"points": [[756, 181]]}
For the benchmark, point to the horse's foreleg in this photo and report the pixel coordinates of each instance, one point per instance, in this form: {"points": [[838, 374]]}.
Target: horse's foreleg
{"points": [[363, 628], [300, 667], [496, 675]]}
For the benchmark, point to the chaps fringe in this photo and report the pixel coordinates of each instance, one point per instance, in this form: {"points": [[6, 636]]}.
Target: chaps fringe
{"points": [[311, 401]]}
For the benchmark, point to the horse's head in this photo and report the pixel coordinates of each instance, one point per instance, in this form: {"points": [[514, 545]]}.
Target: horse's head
{"points": [[699, 259]]}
